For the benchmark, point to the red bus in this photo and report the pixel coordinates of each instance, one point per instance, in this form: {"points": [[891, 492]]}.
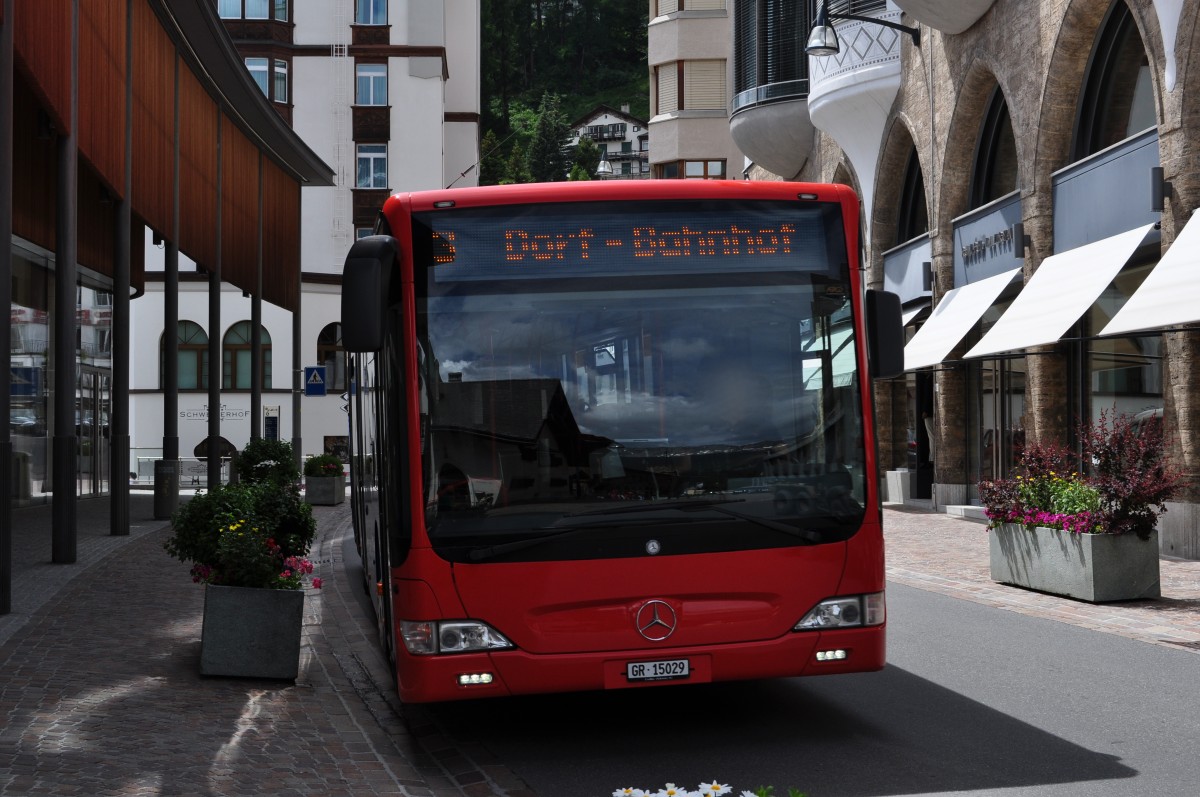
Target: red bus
{"points": [[617, 434]]}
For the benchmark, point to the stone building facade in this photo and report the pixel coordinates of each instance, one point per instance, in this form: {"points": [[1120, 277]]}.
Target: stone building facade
{"points": [[989, 141]]}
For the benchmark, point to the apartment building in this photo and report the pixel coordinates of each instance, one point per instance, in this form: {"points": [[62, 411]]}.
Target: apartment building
{"points": [[387, 93], [689, 50]]}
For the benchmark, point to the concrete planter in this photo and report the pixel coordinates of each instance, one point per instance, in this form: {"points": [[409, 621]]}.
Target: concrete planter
{"points": [[324, 490], [1090, 567], [251, 633]]}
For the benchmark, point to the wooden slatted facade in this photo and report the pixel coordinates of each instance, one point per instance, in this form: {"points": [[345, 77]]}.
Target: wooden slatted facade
{"points": [[197, 171], [42, 96], [281, 212], [154, 119], [239, 208]]}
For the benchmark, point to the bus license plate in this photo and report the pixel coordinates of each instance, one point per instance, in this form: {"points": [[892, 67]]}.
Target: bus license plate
{"points": [[657, 670]]}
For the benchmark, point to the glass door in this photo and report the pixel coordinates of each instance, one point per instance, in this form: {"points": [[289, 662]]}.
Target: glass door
{"points": [[93, 399]]}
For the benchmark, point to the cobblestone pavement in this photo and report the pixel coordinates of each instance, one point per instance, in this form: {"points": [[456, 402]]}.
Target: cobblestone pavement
{"points": [[945, 554], [100, 692]]}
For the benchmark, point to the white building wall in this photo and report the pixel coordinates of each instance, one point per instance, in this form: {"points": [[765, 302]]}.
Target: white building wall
{"points": [[425, 152]]}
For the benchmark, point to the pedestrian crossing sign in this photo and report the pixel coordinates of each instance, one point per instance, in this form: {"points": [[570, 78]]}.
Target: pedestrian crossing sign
{"points": [[314, 380]]}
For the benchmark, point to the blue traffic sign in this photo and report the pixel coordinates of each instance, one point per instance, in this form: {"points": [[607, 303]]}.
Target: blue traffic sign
{"points": [[314, 380]]}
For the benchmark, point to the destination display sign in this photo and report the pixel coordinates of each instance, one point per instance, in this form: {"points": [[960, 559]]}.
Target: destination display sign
{"points": [[616, 238]]}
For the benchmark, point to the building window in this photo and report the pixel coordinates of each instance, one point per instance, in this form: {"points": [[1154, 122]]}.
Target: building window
{"points": [[281, 81], [768, 45], [914, 213], [237, 358], [253, 9], [370, 12], [192, 360], [362, 232], [372, 166], [995, 173], [331, 355], [690, 85], [1118, 97], [371, 84], [258, 71], [692, 170]]}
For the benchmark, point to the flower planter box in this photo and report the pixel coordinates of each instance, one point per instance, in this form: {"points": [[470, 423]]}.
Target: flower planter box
{"points": [[324, 490], [251, 633], [1090, 567]]}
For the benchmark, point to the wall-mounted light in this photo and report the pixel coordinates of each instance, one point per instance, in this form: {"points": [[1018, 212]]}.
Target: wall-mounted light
{"points": [[823, 39], [1020, 240], [1159, 189]]}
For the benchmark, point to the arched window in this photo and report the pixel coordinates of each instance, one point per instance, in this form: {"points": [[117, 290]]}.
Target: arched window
{"points": [[331, 355], [193, 358], [995, 171], [1118, 97], [914, 213], [236, 351]]}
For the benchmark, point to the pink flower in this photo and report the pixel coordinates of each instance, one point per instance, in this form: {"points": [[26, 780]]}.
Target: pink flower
{"points": [[316, 582]]}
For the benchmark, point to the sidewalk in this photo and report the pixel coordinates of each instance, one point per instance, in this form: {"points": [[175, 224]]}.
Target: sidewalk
{"points": [[941, 553], [100, 691]]}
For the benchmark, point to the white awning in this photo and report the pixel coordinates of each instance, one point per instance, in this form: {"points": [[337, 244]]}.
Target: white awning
{"points": [[1170, 294], [910, 313], [1059, 292], [952, 319]]}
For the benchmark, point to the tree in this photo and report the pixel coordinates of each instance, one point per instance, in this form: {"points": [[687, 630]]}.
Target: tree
{"points": [[547, 158], [587, 158], [491, 160], [514, 169]]}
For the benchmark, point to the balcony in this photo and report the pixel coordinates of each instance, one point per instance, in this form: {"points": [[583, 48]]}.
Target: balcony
{"points": [[851, 93], [948, 16], [771, 125]]}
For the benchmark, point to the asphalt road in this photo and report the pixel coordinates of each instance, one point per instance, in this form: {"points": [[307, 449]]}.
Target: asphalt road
{"points": [[974, 700]]}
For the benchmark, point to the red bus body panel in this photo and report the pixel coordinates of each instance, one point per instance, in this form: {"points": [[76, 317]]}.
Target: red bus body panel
{"points": [[573, 623]]}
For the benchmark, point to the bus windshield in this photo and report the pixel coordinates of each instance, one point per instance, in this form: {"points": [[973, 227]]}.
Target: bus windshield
{"points": [[596, 374]]}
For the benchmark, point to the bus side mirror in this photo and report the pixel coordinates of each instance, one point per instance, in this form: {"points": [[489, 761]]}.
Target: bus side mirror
{"points": [[885, 334], [366, 288]]}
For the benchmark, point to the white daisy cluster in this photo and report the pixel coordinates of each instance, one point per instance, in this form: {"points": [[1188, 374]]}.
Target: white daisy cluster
{"points": [[713, 789]]}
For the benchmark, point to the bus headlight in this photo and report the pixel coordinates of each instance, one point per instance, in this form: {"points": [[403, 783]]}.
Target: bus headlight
{"points": [[426, 638], [850, 612]]}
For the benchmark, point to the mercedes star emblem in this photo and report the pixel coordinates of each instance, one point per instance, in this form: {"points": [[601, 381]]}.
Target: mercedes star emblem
{"points": [[656, 620]]}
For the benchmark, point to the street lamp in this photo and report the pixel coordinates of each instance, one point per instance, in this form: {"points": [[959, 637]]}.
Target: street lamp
{"points": [[823, 40], [604, 169]]}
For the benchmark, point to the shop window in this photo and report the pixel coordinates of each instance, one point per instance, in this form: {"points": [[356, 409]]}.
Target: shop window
{"points": [[237, 355]]}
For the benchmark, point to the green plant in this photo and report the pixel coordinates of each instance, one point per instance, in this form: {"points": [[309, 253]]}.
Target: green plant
{"points": [[244, 535], [265, 460], [1126, 484], [323, 465]]}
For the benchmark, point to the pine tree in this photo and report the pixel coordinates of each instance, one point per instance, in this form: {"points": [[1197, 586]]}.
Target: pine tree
{"points": [[491, 163], [587, 158], [547, 159]]}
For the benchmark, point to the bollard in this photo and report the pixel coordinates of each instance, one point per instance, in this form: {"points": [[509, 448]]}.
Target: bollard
{"points": [[166, 488]]}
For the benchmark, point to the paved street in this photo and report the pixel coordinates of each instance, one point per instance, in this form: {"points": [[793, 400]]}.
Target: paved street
{"points": [[100, 692]]}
